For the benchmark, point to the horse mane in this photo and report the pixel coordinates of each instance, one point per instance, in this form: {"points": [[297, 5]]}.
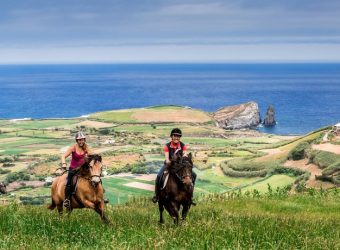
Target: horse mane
{"points": [[177, 164], [86, 165]]}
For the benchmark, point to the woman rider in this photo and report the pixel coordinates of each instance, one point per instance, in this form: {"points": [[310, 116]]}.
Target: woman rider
{"points": [[174, 147], [78, 151]]}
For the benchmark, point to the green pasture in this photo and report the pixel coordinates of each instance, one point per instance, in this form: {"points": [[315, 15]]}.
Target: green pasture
{"points": [[237, 222], [213, 142], [162, 131], [37, 124], [40, 133], [118, 193], [126, 115], [210, 175], [275, 181], [165, 107], [22, 145], [114, 116]]}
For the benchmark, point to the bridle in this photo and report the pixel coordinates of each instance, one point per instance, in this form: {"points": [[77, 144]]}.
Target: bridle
{"points": [[92, 178], [180, 166]]}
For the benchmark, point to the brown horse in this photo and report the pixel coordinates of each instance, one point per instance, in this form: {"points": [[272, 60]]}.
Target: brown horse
{"points": [[89, 190], [178, 190]]}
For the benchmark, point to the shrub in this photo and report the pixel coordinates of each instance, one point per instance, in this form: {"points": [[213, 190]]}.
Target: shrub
{"points": [[299, 152], [331, 169], [8, 165], [4, 171], [104, 131], [143, 168], [6, 160], [323, 158], [287, 171], [242, 165], [247, 174], [19, 176]]}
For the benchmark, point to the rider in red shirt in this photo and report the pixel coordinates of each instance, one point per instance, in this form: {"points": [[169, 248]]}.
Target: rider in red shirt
{"points": [[174, 147]]}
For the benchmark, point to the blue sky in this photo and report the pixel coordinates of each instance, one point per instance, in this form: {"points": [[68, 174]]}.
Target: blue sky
{"points": [[85, 31]]}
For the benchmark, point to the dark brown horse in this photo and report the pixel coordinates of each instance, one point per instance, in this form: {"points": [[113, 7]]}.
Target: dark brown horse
{"points": [[178, 190], [89, 190]]}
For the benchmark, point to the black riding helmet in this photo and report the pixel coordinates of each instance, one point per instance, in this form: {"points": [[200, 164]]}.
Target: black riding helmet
{"points": [[176, 131]]}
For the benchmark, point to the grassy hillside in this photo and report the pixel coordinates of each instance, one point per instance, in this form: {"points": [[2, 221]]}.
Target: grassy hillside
{"points": [[310, 221], [153, 114]]}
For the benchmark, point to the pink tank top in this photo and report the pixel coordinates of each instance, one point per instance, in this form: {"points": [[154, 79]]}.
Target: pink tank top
{"points": [[77, 160]]}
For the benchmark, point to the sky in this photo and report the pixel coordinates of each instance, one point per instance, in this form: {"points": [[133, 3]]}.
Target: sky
{"points": [[148, 31]]}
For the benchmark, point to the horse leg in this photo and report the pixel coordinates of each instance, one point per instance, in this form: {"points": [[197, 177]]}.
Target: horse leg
{"points": [[60, 208], [185, 210], [100, 210], [161, 209], [173, 210]]}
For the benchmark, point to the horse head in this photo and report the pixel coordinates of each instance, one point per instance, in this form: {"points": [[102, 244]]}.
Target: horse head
{"points": [[94, 164], [182, 166]]}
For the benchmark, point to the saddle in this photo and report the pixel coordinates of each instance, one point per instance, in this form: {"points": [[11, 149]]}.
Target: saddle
{"points": [[165, 177]]}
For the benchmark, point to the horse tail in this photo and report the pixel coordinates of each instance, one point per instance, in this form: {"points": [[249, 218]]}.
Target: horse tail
{"points": [[52, 206]]}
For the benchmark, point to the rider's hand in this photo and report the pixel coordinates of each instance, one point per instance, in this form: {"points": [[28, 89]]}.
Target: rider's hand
{"points": [[167, 161]]}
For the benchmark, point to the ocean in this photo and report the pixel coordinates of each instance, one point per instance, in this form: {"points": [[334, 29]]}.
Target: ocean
{"points": [[305, 96]]}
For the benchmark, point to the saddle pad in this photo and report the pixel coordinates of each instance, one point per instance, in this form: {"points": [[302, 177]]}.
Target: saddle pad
{"points": [[166, 177]]}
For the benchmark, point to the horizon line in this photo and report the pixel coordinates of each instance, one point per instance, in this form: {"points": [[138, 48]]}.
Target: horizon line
{"points": [[167, 62]]}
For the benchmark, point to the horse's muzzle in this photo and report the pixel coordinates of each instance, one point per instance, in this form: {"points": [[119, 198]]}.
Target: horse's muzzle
{"points": [[95, 180], [187, 181]]}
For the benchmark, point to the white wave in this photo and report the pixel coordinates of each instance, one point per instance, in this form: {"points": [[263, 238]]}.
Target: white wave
{"points": [[20, 119]]}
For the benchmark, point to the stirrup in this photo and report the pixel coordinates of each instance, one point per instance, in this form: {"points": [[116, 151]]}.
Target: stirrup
{"points": [[67, 204]]}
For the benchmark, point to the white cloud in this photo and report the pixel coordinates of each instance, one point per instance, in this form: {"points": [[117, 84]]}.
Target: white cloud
{"points": [[171, 53], [193, 9]]}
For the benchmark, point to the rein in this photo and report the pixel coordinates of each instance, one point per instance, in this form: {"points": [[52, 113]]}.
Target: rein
{"points": [[178, 167], [86, 168]]}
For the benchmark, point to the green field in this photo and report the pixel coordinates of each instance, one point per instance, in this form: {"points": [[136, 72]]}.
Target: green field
{"points": [[278, 222], [275, 181]]}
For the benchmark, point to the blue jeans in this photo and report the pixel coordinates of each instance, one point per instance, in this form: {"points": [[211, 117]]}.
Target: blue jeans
{"points": [[159, 175]]}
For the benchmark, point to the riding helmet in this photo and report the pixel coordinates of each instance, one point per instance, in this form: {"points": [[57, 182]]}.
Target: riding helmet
{"points": [[80, 135], [176, 131]]}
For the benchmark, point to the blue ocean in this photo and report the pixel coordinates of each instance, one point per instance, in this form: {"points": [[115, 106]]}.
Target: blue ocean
{"points": [[305, 96]]}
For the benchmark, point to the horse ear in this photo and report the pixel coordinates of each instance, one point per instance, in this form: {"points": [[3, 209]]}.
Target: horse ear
{"points": [[174, 157], [190, 156]]}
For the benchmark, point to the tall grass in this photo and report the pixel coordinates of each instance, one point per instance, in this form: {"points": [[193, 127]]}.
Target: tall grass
{"points": [[235, 221]]}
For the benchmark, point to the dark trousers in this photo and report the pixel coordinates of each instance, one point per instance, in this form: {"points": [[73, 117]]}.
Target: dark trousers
{"points": [[68, 188]]}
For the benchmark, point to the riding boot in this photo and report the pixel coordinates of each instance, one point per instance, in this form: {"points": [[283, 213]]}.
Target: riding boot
{"points": [[157, 191], [68, 194]]}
